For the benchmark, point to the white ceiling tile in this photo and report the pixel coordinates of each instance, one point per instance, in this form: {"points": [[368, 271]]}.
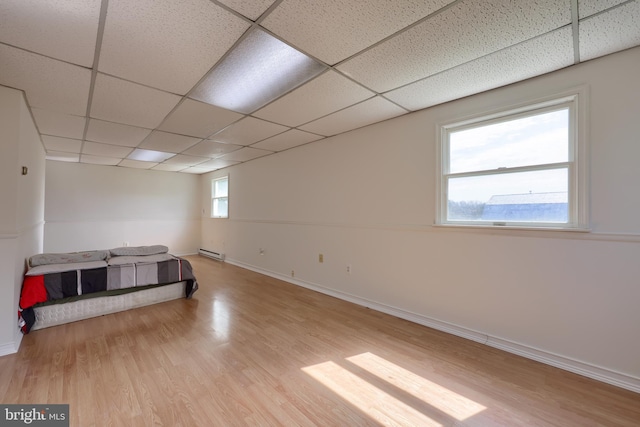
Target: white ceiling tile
{"points": [[466, 31], [168, 168], [217, 164], [211, 149], [49, 84], [166, 44], [247, 131], [367, 112], [67, 145], [330, 92], [115, 133], [128, 103], [589, 7], [252, 9], [534, 57], [610, 32], [105, 150], [63, 157], [198, 119], [184, 160], [169, 142], [99, 160], [61, 29], [127, 163], [244, 154], [289, 139], [58, 124], [341, 28]]}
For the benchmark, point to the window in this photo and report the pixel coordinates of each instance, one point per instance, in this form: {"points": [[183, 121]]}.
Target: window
{"points": [[520, 168], [220, 197]]}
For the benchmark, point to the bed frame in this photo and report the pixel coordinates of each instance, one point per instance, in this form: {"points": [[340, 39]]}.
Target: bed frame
{"points": [[59, 314]]}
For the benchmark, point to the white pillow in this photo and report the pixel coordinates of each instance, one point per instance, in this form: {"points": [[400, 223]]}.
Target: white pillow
{"points": [[60, 268], [67, 258], [120, 260], [139, 250]]}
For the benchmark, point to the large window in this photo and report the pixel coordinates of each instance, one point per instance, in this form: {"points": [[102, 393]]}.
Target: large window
{"points": [[520, 168], [220, 197]]}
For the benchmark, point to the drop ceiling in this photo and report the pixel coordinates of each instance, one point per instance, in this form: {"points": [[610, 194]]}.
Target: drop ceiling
{"points": [[198, 85]]}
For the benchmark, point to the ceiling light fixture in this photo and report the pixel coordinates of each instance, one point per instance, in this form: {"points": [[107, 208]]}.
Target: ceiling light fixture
{"points": [[149, 155], [260, 69]]}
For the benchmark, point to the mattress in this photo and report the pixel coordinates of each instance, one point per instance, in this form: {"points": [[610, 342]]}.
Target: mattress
{"points": [[58, 314]]}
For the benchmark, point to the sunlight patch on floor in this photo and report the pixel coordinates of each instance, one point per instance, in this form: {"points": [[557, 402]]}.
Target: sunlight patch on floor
{"points": [[447, 401], [383, 408], [401, 397], [220, 319]]}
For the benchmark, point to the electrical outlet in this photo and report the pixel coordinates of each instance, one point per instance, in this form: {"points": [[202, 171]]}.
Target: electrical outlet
{"points": [[125, 244], [293, 273], [349, 268], [261, 251], [320, 258]]}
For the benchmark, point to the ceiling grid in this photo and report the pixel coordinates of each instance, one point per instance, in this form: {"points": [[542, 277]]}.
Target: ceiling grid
{"points": [[198, 85]]}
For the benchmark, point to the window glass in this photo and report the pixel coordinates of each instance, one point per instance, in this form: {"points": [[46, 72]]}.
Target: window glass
{"points": [[221, 187], [539, 139], [519, 196]]}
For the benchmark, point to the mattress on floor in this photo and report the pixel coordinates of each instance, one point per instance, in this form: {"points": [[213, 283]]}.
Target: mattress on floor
{"points": [[58, 314]]}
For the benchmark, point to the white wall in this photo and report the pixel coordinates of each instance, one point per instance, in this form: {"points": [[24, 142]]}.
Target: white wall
{"points": [[9, 137], [367, 199], [22, 208], [100, 207]]}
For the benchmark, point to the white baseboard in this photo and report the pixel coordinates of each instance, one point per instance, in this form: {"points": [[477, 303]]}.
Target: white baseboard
{"points": [[577, 367], [604, 375], [9, 348]]}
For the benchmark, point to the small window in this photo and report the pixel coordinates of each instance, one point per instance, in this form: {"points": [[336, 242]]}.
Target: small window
{"points": [[517, 168], [220, 197]]}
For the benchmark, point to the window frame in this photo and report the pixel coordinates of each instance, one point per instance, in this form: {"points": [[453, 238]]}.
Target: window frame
{"points": [[576, 101], [214, 197]]}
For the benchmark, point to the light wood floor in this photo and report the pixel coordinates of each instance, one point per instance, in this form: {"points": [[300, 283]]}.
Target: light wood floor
{"points": [[252, 350]]}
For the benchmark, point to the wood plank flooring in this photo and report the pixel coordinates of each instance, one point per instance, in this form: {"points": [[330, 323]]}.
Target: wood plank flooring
{"points": [[252, 350]]}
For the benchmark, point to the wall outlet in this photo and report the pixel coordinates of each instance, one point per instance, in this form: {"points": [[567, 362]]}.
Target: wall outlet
{"points": [[293, 273], [349, 268], [261, 251], [320, 258], [125, 244]]}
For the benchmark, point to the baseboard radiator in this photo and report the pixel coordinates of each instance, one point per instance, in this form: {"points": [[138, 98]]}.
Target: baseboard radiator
{"points": [[211, 254]]}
